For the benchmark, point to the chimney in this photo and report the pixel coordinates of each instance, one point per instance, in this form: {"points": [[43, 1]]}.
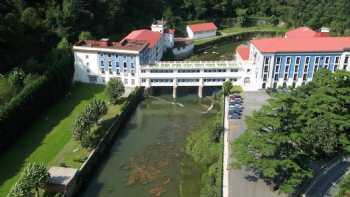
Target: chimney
{"points": [[104, 42], [324, 30]]}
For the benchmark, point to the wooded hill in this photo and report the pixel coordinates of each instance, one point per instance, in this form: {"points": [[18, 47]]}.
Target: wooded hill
{"points": [[28, 28]]}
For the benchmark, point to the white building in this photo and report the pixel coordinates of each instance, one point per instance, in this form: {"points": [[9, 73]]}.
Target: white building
{"points": [[263, 63], [201, 30]]}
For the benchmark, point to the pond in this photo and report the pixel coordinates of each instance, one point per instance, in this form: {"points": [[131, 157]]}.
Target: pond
{"points": [[147, 158]]}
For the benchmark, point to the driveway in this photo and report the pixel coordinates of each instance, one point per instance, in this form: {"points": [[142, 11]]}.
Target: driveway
{"points": [[241, 183]]}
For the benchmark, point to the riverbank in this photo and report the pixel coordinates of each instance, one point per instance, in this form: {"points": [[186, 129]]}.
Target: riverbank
{"points": [[205, 147]]}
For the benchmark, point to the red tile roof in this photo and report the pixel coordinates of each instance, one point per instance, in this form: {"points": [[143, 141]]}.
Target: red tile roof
{"points": [[151, 37], [203, 27], [313, 44], [125, 45], [301, 32], [243, 51]]}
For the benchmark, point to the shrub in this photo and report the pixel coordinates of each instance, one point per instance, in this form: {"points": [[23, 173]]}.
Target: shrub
{"points": [[114, 90]]}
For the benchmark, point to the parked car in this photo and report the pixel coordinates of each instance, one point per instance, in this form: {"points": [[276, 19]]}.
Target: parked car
{"points": [[235, 102], [234, 116], [236, 108], [237, 111]]}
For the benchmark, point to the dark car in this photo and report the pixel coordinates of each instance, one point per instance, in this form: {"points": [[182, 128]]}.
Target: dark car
{"points": [[237, 111], [234, 116]]}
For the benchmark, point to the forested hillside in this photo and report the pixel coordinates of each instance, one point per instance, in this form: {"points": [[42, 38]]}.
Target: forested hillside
{"points": [[29, 28]]}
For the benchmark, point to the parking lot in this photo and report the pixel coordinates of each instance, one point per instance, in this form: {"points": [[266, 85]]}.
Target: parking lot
{"points": [[241, 182]]}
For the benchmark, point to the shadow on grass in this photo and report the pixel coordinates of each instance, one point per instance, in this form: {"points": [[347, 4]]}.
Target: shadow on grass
{"points": [[41, 143]]}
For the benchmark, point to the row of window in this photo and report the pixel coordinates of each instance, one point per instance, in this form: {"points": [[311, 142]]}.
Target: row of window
{"points": [[125, 65], [317, 60], [188, 70], [284, 85], [93, 79], [190, 80], [214, 80], [117, 71], [114, 55]]}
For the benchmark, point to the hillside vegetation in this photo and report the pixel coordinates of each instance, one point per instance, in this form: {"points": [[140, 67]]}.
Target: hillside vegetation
{"points": [[28, 29]]}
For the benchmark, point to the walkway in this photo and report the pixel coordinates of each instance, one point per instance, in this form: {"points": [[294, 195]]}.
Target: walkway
{"points": [[242, 183]]}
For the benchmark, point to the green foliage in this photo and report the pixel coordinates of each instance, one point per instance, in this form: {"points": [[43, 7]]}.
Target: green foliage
{"points": [[16, 79], [21, 189], [82, 127], [35, 97], [205, 146], [344, 187], [6, 92], [293, 130], [227, 86], [114, 90], [34, 176], [236, 89], [63, 44], [85, 35]]}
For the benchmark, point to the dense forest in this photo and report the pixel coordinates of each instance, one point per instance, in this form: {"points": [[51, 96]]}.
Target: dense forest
{"points": [[28, 28]]}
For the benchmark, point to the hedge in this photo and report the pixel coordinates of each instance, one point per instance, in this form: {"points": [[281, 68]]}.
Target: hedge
{"points": [[28, 105]]}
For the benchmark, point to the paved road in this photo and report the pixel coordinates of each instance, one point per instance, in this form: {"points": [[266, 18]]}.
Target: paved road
{"points": [[241, 184], [324, 184]]}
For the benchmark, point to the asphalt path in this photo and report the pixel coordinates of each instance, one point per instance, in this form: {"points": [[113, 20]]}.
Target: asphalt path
{"points": [[241, 182]]}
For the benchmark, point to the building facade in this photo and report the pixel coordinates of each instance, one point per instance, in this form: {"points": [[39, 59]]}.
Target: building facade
{"points": [[263, 63], [201, 30], [294, 59]]}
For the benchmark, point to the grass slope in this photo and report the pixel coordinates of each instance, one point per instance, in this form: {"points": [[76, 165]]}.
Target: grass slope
{"points": [[47, 136]]}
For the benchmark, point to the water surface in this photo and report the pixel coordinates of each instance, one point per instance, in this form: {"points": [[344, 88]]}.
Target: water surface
{"points": [[148, 157]]}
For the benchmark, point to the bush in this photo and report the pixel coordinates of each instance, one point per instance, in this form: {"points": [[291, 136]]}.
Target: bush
{"points": [[114, 90], [17, 114]]}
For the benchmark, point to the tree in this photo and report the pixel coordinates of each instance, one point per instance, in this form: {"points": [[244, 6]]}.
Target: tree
{"points": [[16, 79], [227, 86], [114, 90], [36, 175], [236, 89], [296, 128], [85, 35], [6, 92], [242, 16], [89, 116], [21, 189], [63, 44]]}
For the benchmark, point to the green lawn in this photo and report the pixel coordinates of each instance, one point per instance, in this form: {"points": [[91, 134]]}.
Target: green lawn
{"points": [[48, 137], [225, 32]]}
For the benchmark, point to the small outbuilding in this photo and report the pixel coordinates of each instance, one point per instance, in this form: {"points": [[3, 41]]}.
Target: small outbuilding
{"points": [[201, 30], [62, 180]]}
